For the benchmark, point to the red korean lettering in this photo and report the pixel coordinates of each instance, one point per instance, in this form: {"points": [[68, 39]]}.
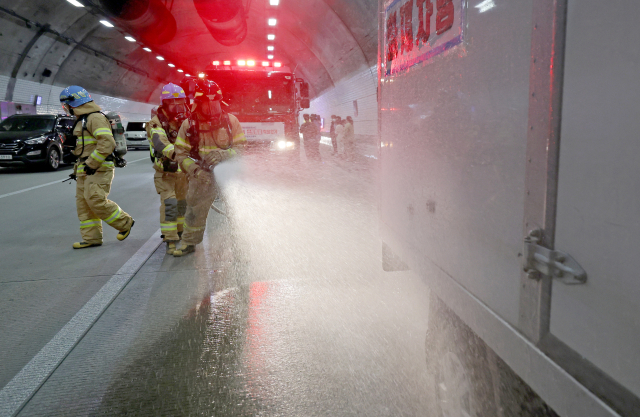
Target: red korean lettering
{"points": [[392, 37], [425, 11], [406, 20], [444, 16]]}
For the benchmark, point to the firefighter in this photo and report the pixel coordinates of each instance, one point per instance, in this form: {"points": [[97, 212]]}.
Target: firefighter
{"points": [[93, 170], [170, 181], [207, 138]]}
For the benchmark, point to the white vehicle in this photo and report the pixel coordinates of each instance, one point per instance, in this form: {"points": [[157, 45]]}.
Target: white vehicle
{"points": [[136, 135], [510, 181]]}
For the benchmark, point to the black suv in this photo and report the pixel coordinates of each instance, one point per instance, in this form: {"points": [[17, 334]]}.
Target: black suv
{"points": [[28, 139]]}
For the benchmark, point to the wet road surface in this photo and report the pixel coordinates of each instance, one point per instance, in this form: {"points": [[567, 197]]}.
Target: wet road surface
{"points": [[283, 310]]}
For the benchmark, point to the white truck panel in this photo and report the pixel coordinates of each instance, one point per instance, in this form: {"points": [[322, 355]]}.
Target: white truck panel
{"points": [[457, 125], [598, 217]]}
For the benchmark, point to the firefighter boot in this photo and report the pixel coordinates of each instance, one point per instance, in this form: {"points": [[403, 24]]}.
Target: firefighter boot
{"points": [[82, 245], [171, 247], [123, 234], [184, 249]]}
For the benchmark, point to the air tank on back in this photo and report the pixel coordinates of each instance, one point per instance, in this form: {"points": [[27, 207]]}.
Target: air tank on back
{"points": [[225, 19], [149, 20]]}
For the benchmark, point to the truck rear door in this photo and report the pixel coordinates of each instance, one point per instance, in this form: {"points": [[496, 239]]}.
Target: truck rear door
{"points": [[598, 201]]}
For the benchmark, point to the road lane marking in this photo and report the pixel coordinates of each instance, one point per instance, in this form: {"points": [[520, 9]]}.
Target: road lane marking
{"points": [[26, 383], [49, 183]]}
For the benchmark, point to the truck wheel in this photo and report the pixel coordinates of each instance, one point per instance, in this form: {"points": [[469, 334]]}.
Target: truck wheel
{"points": [[53, 158], [464, 385]]}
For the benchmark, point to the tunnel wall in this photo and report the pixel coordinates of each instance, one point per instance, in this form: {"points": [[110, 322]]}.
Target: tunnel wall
{"points": [[360, 87], [25, 91]]}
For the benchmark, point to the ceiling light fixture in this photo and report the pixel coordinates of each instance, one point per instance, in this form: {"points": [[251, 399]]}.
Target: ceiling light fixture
{"points": [[159, 58], [180, 70], [171, 65], [242, 63], [227, 62], [187, 75], [265, 63], [76, 3], [271, 37], [274, 2], [277, 64], [216, 63], [251, 63], [106, 23], [147, 49], [270, 48], [129, 38], [201, 75], [272, 22], [269, 56]]}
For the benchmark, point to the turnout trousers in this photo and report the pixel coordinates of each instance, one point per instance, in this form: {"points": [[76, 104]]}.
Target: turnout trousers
{"points": [[172, 187], [199, 199], [93, 206]]}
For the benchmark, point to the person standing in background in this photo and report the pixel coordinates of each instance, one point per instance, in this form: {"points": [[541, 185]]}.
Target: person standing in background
{"points": [[349, 139], [339, 136], [310, 132], [333, 135]]}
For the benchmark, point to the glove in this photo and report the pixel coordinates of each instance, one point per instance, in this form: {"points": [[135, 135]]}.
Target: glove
{"points": [[202, 175], [88, 170], [214, 157]]}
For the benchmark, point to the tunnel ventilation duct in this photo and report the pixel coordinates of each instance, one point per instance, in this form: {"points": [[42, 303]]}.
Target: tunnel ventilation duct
{"points": [[225, 19], [148, 20]]}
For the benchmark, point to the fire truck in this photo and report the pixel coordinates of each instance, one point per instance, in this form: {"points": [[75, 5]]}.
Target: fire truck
{"points": [[266, 100]]}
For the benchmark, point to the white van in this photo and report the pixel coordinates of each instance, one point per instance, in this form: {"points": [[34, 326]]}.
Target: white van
{"points": [[136, 135]]}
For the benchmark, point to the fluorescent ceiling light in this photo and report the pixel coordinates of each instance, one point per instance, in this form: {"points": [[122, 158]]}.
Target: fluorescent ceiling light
{"points": [[227, 62], [272, 22], [265, 63], [216, 63], [106, 23], [277, 64], [270, 48], [171, 65], [271, 37], [485, 5], [147, 49], [242, 63], [251, 63], [129, 38], [274, 2], [160, 58], [187, 75], [76, 3], [269, 56], [180, 70]]}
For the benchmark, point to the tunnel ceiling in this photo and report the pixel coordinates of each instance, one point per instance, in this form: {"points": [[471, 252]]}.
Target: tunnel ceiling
{"points": [[54, 42]]}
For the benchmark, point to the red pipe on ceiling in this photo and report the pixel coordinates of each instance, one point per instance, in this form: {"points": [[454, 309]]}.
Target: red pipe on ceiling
{"points": [[148, 20], [225, 19]]}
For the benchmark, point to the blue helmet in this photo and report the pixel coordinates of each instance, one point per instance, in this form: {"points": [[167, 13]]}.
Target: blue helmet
{"points": [[75, 96]]}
